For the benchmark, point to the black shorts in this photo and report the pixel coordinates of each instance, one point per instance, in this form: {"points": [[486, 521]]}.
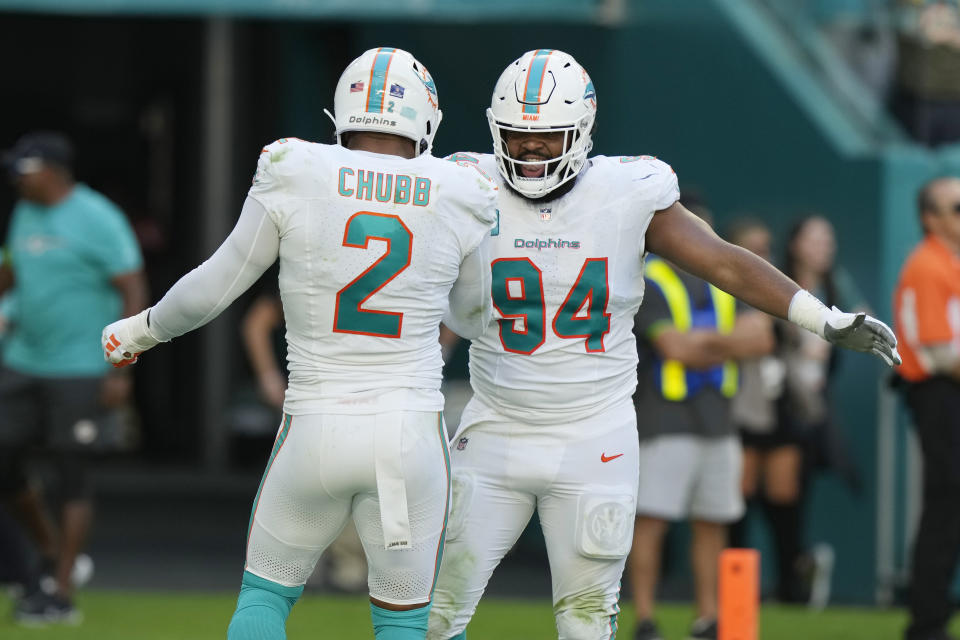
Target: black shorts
{"points": [[780, 436], [61, 413]]}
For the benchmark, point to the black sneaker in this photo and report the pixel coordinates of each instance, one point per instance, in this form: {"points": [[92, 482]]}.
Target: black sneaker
{"points": [[41, 608], [703, 629], [647, 630]]}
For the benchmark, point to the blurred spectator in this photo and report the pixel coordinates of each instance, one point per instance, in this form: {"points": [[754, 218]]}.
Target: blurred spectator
{"points": [[927, 321], [18, 568], [74, 265], [761, 379], [804, 436], [256, 404], [769, 455], [265, 346], [862, 32], [810, 261], [772, 451], [927, 95], [18, 571], [689, 334]]}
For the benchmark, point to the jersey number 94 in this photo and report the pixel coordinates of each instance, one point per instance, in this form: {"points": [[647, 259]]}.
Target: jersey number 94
{"points": [[518, 296]]}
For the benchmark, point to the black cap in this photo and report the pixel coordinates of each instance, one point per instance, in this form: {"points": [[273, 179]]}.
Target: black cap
{"points": [[38, 148]]}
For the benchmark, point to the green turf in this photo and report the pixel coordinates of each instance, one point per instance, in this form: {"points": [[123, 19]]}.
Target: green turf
{"points": [[111, 615]]}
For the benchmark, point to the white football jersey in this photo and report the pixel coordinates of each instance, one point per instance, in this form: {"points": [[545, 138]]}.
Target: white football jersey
{"points": [[567, 281], [370, 247]]}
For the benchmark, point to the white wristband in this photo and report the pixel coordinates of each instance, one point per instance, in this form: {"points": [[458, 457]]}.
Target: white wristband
{"points": [[140, 337], [808, 312]]}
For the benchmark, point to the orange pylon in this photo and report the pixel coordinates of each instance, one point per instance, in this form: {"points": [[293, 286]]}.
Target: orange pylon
{"points": [[739, 595]]}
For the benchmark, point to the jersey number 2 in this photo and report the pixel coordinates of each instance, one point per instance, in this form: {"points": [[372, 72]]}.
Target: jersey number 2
{"points": [[350, 316], [518, 296]]}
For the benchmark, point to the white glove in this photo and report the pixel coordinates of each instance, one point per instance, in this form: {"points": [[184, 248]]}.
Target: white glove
{"points": [[856, 331], [126, 339]]}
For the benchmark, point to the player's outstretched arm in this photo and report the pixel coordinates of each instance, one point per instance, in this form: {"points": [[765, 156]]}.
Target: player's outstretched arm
{"points": [[201, 295], [681, 237]]}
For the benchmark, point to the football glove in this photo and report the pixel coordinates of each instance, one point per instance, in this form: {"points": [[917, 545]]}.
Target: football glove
{"points": [[856, 331], [124, 340]]}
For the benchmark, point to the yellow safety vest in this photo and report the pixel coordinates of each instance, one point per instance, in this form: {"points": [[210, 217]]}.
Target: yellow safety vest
{"points": [[673, 374]]}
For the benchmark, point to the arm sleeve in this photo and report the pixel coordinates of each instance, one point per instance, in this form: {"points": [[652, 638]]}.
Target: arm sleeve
{"points": [[470, 306], [201, 295]]}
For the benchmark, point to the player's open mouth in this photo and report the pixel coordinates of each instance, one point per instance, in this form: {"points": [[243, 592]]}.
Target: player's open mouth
{"points": [[533, 170]]}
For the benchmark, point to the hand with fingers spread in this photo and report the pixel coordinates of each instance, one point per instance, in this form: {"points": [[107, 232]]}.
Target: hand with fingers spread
{"points": [[861, 332], [856, 331], [124, 340]]}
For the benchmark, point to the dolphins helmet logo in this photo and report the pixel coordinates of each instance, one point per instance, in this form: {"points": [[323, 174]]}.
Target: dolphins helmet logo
{"points": [[427, 81], [590, 95]]}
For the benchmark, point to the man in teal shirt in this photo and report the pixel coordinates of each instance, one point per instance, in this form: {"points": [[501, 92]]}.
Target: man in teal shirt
{"points": [[74, 265]]}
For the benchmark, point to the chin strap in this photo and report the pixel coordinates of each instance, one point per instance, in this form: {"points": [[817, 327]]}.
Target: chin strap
{"points": [[334, 121]]}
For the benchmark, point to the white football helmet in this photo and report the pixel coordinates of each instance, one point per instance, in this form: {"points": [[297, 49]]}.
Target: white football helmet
{"points": [[387, 90], [543, 90]]}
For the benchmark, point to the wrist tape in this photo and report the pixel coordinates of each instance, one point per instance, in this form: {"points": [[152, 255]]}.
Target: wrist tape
{"points": [[808, 312]]}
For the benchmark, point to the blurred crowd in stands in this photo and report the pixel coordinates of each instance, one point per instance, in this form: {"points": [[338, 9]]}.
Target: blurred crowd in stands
{"points": [[907, 53]]}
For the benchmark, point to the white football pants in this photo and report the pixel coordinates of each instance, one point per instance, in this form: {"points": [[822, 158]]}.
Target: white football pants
{"points": [[585, 493], [326, 467]]}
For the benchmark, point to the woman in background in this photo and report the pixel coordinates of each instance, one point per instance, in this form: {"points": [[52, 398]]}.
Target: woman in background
{"points": [[783, 409]]}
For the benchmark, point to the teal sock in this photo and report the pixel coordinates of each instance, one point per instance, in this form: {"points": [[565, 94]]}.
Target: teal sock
{"points": [[262, 609], [399, 625]]}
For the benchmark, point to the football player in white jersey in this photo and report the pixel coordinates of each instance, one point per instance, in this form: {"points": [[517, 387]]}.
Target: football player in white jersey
{"points": [[377, 239], [551, 426]]}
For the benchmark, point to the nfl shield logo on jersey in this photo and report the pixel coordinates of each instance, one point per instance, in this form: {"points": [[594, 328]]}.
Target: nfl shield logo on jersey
{"points": [[462, 444], [546, 214]]}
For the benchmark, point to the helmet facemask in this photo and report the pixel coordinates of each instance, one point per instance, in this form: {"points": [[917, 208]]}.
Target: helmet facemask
{"points": [[577, 143]]}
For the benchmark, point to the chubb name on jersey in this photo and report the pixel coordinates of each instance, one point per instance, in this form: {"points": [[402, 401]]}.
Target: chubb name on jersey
{"points": [[550, 243], [384, 187]]}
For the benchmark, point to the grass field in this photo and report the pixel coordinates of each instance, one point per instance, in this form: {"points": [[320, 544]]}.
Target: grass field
{"points": [[113, 615]]}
